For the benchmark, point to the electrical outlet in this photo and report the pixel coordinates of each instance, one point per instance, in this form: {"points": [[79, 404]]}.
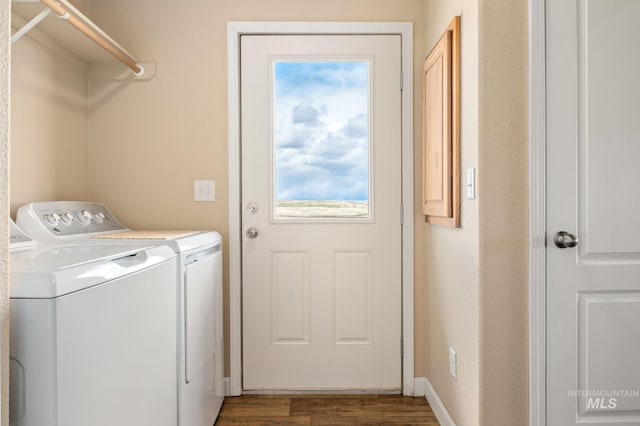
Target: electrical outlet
{"points": [[204, 190], [453, 367]]}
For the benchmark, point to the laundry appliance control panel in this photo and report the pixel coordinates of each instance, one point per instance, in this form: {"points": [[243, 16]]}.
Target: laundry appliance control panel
{"points": [[67, 218]]}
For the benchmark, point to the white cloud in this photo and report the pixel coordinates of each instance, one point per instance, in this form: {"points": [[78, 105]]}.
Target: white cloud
{"points": [[307, 114]]}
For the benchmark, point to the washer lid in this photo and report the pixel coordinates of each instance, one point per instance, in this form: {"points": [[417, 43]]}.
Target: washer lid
{"points": [[53, 271], [18, 240]]}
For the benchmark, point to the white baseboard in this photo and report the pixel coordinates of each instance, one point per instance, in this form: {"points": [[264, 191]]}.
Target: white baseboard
{"points": [[436, 404], [227, 386], [419, 386]]}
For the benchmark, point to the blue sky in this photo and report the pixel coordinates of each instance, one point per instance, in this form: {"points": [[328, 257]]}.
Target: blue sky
{"points": [[321, 130]]}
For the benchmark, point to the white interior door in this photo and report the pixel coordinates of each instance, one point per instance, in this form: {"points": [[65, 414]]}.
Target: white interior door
{"points": [[321, 200], [593, 146]]}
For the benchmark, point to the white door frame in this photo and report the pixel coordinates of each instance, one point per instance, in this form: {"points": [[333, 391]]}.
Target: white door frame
{"points": [[537, 213], [234, 31]]}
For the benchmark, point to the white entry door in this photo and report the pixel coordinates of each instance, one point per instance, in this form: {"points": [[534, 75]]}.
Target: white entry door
{"points": [[593, 187], [321, 203]]}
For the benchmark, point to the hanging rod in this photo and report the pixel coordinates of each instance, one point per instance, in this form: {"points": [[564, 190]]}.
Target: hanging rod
{"points": [[73, 16], [88, 28]]}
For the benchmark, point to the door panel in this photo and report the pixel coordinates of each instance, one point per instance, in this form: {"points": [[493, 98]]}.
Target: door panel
{"points": [[593, 306], [353, 281], [604, 320], [321, 185], [290, 304], [609, 127]]}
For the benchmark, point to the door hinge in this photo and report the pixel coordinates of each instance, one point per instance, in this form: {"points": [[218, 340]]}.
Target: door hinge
{"points": [[401, 214], [402, 347], [401, 80]]}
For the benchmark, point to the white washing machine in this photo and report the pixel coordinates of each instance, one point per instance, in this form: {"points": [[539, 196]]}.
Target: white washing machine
{"points": [[92, 334], [200, 364]]}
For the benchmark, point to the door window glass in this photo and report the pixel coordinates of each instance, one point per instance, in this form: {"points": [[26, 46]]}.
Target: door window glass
{"points": [[321, 139]]}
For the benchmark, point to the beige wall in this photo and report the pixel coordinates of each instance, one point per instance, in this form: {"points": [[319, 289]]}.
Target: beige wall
{"points": [[49, 118], [150, 140], [451, 258], [503, 213], [476, 277]]}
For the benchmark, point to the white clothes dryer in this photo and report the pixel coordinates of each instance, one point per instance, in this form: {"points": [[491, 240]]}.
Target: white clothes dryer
{"points": [[200, 355], [92, 334]]}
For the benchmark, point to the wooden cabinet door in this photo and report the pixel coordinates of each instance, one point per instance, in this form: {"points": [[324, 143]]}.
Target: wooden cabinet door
{"points": [[440, 135]]}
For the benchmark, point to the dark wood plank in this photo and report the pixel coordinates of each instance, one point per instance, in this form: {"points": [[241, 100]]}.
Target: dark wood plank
{"points": [[371, 421], [258, 399], [359, 407], [256, 406], [260, 421]]}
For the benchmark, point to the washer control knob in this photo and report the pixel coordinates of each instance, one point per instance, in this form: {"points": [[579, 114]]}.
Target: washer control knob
{"points": [[84, 217], [99, 217], [52, 219], [66, 218]]}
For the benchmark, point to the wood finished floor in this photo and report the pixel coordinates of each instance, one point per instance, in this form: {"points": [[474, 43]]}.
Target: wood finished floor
{"points": [[254, 410]]}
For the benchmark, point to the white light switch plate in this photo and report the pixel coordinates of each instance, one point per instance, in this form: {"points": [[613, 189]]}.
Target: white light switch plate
{"points": [[471, 184], [204, 190], [453, 367]]}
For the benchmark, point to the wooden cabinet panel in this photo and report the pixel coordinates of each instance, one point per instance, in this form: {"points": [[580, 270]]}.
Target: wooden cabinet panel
{"points": [[441, 130]]}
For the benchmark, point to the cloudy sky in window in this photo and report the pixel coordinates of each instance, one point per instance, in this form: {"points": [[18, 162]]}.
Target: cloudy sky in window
{"points": [[321, 130]]}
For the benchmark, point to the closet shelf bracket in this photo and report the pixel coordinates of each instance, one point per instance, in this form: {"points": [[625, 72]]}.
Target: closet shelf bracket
{"points": [[29, 25]]}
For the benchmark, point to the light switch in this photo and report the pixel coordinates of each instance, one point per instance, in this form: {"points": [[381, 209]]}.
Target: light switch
{"points": [[471, 184], [204, 190], [453, 364]]}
